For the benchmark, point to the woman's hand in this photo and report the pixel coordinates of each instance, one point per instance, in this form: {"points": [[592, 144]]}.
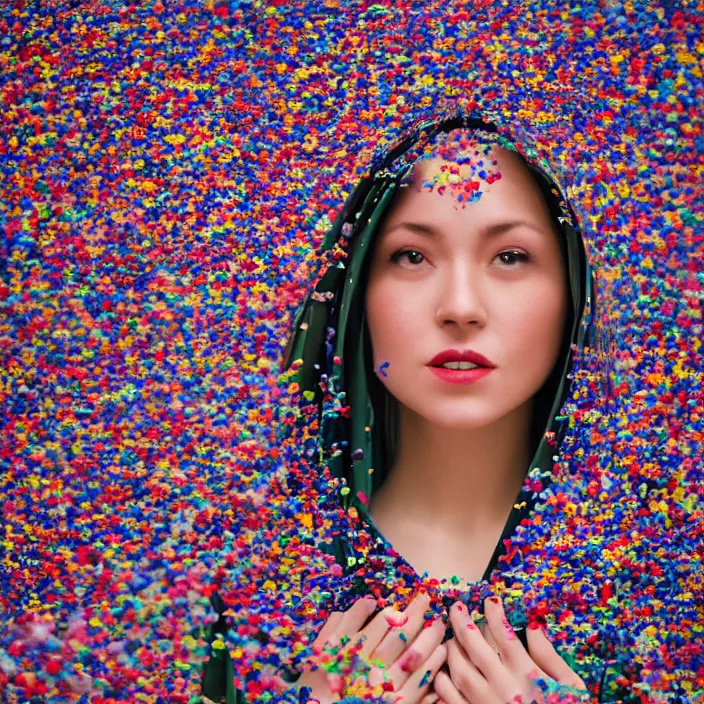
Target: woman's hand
{"points": [[405, 656], [478, 674]]}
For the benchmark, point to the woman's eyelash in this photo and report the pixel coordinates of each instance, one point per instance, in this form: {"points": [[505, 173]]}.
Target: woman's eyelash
{"points": [[397, 255], [515, 253], [522, 256]]}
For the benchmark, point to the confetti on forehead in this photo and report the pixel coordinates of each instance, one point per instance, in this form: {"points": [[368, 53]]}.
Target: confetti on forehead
{"points": [[470, 163]]}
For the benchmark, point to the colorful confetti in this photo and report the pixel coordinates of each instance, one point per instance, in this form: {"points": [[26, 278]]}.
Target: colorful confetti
{"points": [[169, 170]]}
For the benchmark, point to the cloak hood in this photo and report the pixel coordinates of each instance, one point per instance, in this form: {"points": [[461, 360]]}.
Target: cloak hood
{"points": [[331, 342]]}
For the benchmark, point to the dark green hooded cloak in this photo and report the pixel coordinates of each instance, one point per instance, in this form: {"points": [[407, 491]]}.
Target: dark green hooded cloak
{"points": [[330, 336]]}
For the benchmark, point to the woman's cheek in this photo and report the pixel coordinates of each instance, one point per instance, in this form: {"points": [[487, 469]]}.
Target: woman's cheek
{"points": [[393, 322], [536, 328]]}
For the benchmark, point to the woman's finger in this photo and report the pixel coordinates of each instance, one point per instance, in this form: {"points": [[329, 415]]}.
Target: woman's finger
{"points": [[404, 627], [467, 633], [413, 672], [486, 632], [465, 676], [510, 648], [329, 627], [352, 620], [418, 651], [317, 679], [417, 686], [446, 689], [373, 633], [547, 659]]}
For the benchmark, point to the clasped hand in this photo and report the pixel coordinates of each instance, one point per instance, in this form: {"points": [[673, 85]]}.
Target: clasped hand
{"points": [[504, 674], [409, 664]]}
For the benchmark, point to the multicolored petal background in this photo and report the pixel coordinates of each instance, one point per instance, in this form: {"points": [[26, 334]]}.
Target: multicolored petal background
{"points": [[167, 171]]}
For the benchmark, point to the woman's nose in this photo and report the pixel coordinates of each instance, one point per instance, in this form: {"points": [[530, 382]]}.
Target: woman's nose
{"points": [[460, 299]]}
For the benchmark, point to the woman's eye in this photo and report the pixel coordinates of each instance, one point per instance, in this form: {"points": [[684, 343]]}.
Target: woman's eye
{"points": [[414, 256], [511, 257]]}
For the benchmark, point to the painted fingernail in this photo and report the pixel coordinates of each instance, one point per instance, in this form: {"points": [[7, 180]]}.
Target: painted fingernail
{"points": [[494, 600], [459, 607], [472, 626], [535, 626], [509, 630]]}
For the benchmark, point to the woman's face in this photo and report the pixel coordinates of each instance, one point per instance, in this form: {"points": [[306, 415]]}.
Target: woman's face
{"points": [[488, 277]]}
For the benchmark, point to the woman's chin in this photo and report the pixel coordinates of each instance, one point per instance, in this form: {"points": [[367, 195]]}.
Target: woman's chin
{"points": [[452, 418]]}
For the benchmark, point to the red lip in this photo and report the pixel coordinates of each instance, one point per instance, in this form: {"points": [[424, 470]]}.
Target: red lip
{"points": [[460, 356]]}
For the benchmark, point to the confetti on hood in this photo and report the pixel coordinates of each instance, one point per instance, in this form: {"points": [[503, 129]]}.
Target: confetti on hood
{"points": [[174, 176]]}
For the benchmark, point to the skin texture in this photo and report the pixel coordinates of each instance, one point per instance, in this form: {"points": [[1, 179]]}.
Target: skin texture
{"points": [[462, 288], [454, 289]]}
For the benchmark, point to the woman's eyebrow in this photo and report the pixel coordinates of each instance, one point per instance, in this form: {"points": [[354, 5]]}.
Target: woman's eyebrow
{"points": [[494, 230]]}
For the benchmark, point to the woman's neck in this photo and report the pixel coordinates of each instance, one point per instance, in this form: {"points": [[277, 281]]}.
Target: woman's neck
{"points": [[455, 482]]}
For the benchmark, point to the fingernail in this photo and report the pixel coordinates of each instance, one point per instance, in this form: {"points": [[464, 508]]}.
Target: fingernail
{"points": [[472, 626], [458, 607], [535, 626], [494, 600]]}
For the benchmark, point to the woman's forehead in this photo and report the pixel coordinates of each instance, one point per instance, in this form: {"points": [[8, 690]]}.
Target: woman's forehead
{"points": [[488, 199], [466, 162], [502, 171]]}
